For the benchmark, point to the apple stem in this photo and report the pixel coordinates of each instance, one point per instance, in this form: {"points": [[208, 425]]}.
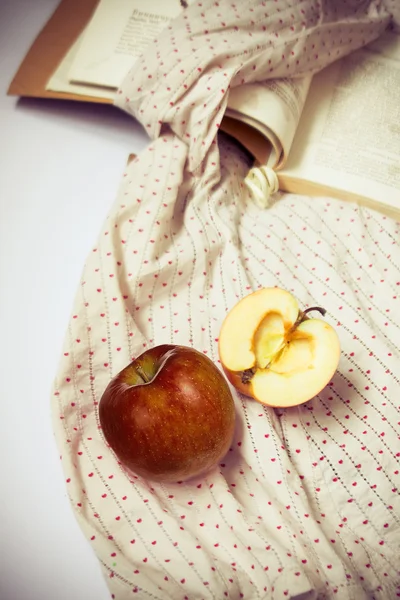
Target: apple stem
{"points": [[302, 316], [318, 308], [142, 374]]}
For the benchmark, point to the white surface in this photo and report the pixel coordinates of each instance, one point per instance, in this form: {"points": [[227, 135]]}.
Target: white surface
{"points": [[60, 168]]}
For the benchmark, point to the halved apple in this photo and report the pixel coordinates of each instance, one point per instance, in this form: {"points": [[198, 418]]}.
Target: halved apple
{"points": [[273, 352]]}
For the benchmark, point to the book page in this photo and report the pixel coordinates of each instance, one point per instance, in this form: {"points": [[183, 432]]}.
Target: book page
{"points": [[263, 115], [349, 133], [118, 32], [273, 108], [59, 81], [250, 138]]}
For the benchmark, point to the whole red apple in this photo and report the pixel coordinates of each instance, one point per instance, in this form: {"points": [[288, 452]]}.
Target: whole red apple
{"points": [[169, 415]]}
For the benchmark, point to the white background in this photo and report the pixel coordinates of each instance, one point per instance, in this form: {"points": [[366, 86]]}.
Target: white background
{"points": [[60, 168]]}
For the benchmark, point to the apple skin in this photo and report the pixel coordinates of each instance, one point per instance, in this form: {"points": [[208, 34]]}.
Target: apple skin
{"points": [[235, 379], [176, 426]]}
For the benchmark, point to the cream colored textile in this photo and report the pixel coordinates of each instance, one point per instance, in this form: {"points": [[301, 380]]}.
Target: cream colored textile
{"points": [[306, 503]]}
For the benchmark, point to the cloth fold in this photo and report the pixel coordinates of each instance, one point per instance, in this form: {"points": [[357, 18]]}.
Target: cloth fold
{"points": [[183, 80], [306, 502]]}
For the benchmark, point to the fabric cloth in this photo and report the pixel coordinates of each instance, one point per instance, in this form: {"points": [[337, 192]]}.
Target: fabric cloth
{"points": [[306, 503], [393, 8]]}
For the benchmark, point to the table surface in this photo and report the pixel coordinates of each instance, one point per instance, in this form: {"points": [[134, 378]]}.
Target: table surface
{"points": [[60, 168]]}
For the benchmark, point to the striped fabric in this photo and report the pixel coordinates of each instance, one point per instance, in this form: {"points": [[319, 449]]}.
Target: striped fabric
{"points": [[306, 502]]}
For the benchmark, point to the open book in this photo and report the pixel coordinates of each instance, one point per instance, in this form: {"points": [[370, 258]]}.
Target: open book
{"points": [[336, 134]]}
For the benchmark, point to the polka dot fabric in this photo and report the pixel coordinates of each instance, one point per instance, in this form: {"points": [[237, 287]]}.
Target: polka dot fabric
{"points": [[306, 502]]}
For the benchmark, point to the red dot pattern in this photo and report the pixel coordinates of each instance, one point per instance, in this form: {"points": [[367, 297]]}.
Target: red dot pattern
{"points": [[307, 499]]}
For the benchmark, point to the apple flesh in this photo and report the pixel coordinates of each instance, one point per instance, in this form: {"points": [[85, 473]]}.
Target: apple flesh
{"points": [[273, 352], [169, 415]]}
